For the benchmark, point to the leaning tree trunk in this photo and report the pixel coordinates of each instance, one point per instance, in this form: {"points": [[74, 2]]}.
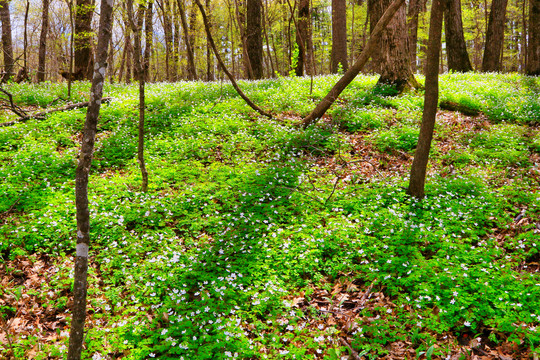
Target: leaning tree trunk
{"points": [[339, 35], [43, 41], [495, 36], [84, 60], [431, 97], [76, 335], [7, 44], [456, 49], [254, 37], [392, 56], [350, 74], [533, 47]]}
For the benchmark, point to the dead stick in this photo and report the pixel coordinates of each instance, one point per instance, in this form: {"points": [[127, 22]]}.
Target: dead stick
{"points": [[353, 353]]}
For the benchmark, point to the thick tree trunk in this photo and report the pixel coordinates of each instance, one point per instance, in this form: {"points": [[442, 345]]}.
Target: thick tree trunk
{"points": [[339, 35], [495, 36], [456, 49], [533, 47], [254, 37], [7, 43], [350, 74], [431, 97], [192, 72], [43, 41], [81, 184], [84, 59], [392, 56]]}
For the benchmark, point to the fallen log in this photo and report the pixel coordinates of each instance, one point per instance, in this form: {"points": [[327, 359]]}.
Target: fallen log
{"points": [[48, 111]]}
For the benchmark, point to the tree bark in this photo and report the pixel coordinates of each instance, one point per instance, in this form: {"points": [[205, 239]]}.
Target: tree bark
{"points": [[192, 72], [339, 35], [533, 47], [456, 49], [209, 57], [495, 36], [43, 41], [254, 37], [350, 74], [84, 59], [81, 184], [392, 56], [415, 8], [431, 97], [7, 43], [303, 38]]}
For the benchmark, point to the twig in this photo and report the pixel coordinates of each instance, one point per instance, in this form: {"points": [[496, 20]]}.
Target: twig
{"points": [[16, 109], [333, 190], [354, 354]]}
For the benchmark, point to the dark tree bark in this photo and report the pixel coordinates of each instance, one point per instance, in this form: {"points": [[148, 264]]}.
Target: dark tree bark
{"points": [[7, 43], [192, 72], [431, 97], [456, 49], [533, 47], [254, 37], [350, 74], [149, 36], [302, 37], [339, 35], [81, 184], [392, 58], [209, 57], [69, 3], [43, 41], [495, 36], [222, 64], [84, 59], [25, 45]]}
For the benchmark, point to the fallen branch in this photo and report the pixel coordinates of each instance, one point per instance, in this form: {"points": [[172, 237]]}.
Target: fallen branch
{"points": [[349, 76], [354, 354], [39, 114], [13, 107]]}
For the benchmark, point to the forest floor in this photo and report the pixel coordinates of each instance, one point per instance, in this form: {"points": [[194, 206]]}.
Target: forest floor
{"points": [[258, 239]]}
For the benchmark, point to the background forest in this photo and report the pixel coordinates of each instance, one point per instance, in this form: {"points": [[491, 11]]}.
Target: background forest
{"points": [[180, 50]]}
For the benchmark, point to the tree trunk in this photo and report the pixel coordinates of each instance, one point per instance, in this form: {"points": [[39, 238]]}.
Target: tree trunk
{"points": [[302, 33], [81, 184], [43, 41], [7, 43], [192, 72], [25, 41], [431, 97], [495, 36], [415, 8], [339, 35], [84, 59], [166, 15], [456, 50], [533, 47], [392, 56], [254, 37], [149, 36], [350, 74]]}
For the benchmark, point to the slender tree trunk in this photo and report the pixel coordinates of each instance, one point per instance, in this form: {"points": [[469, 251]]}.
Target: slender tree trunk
{"points": [[268, 51], [456, 49], [495, 36], [192, 72], [533, 47], [71, 45], [431, 97], [84, 60], [350, 74], [25, 51], [166, 15], [81, 184], [302, 36], [392, 56], [7, 44], [415, 8], [254, 37], [149, 36], [339, 35], [43, 41]]}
